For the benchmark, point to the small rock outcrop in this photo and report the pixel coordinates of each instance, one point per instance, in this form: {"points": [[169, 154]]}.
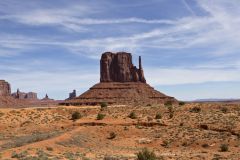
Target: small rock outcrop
{"points": [[73, 94], [23, 95], [46, 98], [120, 83], [118, 67], [5, 88]]}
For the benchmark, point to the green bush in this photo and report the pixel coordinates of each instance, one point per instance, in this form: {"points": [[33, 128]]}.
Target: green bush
{"points": [[145, 154], [100, 116], [224, 109], [195, 110], [181, 103], [103, 105], [158, 116], [76, 115], [132, 115], [168, 103], [224, 148]]}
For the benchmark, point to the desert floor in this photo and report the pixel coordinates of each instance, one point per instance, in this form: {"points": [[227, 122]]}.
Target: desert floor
{"points": [[191, 131]]}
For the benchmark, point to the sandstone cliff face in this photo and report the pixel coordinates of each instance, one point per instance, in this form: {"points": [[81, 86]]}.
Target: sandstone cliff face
{"points": [[5, 88], [118, 67]]}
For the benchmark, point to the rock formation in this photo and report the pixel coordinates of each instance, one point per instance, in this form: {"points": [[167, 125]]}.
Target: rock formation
{"points": [[119, 68], [73, 94], [120, 83], [46, 98], [5, 88], [23, 95], [6, 100]]}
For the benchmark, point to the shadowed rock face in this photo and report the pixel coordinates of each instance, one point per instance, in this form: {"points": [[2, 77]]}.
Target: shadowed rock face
{"points": [[118, 67], [5, 88]]}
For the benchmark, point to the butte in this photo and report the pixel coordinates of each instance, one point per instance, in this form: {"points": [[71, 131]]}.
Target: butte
{"points": [[120, 83]]}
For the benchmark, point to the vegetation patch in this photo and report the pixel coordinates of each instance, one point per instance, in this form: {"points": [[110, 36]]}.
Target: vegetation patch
{"points": [[145, 154], [100, 116], [132, 115], [76, 115]]}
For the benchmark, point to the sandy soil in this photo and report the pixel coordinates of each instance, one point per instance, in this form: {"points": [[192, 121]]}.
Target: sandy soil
{"points": [[191, 131]]}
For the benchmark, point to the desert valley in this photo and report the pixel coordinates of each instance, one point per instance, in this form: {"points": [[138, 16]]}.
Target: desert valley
{"points": [[120, 118], [119, 80]]}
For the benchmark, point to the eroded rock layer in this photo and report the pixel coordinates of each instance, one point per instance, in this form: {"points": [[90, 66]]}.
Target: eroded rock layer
{"points": [[121, 93]]}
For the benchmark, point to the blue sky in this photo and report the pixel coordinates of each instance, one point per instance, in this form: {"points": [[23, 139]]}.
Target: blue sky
{"points": [[190, 48]]}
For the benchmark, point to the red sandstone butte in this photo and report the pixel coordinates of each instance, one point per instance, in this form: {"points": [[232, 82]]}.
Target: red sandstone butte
{"points": [[120, 83], [5, 88], [119, 68]]}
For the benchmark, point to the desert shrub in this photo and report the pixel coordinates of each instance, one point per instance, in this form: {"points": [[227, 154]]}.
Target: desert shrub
{"points": [[170, 109], [168, 103], [171, 112], [49, 148], [72, 156], [132, 115], [195, 110], [100, 116], [145, 154], [181, 103], [165, 144], [20, 155], [110, 158], [205, 145], [204, 126], [112, 135], [76, 115], [158, 116], [224, 148], [171, 115], [184, 144], [224, 109], [103, 105]]}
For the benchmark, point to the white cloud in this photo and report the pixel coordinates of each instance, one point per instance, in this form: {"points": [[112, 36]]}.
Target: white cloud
{"points": [[218, 30]]}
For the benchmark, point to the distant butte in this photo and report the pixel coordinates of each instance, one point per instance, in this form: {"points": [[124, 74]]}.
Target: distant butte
{"points": [[120, 83], [5, 88]]}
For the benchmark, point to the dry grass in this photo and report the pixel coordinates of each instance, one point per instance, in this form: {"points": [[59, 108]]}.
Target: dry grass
{"points": [[195, 131]]}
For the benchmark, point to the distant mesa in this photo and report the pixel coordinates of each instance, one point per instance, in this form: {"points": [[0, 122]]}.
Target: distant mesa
{"points": [[22, 99], [5, 88], [72, 95], [120, 83], [23, 95], [6, 100], [46, 98]]}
